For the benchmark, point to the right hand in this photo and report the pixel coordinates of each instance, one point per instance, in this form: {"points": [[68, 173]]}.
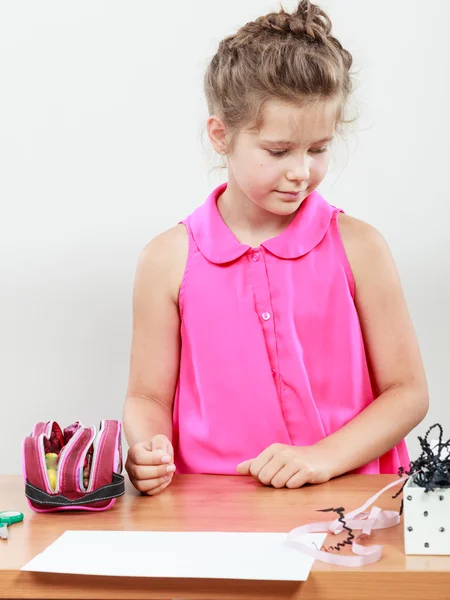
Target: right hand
{"points": [[150, 465]]}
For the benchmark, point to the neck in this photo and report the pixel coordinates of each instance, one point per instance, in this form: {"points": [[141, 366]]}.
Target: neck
{"points": [[249, 223]]}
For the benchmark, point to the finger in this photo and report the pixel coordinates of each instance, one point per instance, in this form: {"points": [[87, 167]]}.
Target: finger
{"points": [[298, 480], [159, 489], [149, 489], [149, 485], [161, 442], [261, 461], [143, 473], [271, 468], [244, 467], [281, 477], [140, 456]]}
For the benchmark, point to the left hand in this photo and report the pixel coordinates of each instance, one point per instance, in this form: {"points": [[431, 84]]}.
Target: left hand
{"points": [[281, 465]]}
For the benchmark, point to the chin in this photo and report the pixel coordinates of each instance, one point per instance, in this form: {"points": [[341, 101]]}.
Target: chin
{"points": [[284, 209]]}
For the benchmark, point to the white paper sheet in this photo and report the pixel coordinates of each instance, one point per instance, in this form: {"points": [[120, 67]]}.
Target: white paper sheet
{"points": [[202, 555]]}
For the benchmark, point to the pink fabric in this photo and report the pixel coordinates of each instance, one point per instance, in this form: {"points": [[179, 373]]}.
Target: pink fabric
{"points": [[272, 349]]}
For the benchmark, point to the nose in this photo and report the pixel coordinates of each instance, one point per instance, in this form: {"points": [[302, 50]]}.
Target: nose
{"points": [[299, 170]]}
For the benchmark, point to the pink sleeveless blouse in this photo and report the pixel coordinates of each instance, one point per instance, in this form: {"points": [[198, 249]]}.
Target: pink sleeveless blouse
{"points": [[271, 344]]}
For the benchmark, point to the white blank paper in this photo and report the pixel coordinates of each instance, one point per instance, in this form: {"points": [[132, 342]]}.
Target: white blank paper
{"points": [[202, 555]]}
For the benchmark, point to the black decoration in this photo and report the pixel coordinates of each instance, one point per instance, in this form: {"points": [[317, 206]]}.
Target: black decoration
{"points": [[430, 471], [350, 537]]}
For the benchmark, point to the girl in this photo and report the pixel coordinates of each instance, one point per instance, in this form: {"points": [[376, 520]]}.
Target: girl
{"points": [[270, 334]]}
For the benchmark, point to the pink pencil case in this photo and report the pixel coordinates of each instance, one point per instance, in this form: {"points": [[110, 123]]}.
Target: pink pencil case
{"points": [[78, 468]]}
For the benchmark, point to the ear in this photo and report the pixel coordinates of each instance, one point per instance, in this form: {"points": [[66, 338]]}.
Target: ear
{"points": [[217, 133]]}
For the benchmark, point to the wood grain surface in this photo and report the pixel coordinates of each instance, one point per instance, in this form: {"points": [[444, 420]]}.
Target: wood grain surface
{"points": [[221, 503]]}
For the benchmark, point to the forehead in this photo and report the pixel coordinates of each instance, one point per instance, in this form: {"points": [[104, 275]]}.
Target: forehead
{"points": [[306, 123]]}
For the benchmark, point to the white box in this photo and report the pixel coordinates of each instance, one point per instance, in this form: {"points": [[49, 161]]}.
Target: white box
{"points": [[426, 517]]}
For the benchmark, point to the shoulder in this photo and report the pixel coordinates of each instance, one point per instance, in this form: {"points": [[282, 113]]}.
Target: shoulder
{"points": [[366, 248], [165, 247], [360, 239], [165, 257], [359, 234]]}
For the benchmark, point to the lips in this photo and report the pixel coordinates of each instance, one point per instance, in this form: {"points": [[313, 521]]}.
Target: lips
{"points": [[291, 195]]}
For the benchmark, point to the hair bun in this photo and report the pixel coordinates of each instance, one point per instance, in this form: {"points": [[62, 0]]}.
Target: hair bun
{"points": [[307, 21]]}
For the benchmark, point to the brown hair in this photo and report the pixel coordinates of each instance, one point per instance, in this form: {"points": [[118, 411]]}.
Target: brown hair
{"points": [[290, 57]]}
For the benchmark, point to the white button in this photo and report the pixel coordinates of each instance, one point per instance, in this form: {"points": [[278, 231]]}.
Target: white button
{"points": [[255, 257], [266, 316]]}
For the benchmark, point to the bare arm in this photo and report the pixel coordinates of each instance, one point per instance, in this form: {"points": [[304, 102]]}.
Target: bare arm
{"points": [[155, 348], [392, 350]]}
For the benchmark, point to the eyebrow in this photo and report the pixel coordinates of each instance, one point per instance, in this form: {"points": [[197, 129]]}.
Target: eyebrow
{"points": [[292, 144]]}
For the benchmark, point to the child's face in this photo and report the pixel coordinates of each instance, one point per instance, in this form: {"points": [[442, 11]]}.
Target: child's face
{"points": [[262, 169]]}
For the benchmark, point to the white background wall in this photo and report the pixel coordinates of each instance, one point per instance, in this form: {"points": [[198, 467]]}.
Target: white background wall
{"points": [[101, 120]]}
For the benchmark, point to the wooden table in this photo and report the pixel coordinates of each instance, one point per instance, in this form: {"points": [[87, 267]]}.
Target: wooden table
{"points": [[207, 502]]}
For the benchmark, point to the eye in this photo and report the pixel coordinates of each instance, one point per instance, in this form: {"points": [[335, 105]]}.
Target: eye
{"points": [[279, 153], [319, 150]]}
